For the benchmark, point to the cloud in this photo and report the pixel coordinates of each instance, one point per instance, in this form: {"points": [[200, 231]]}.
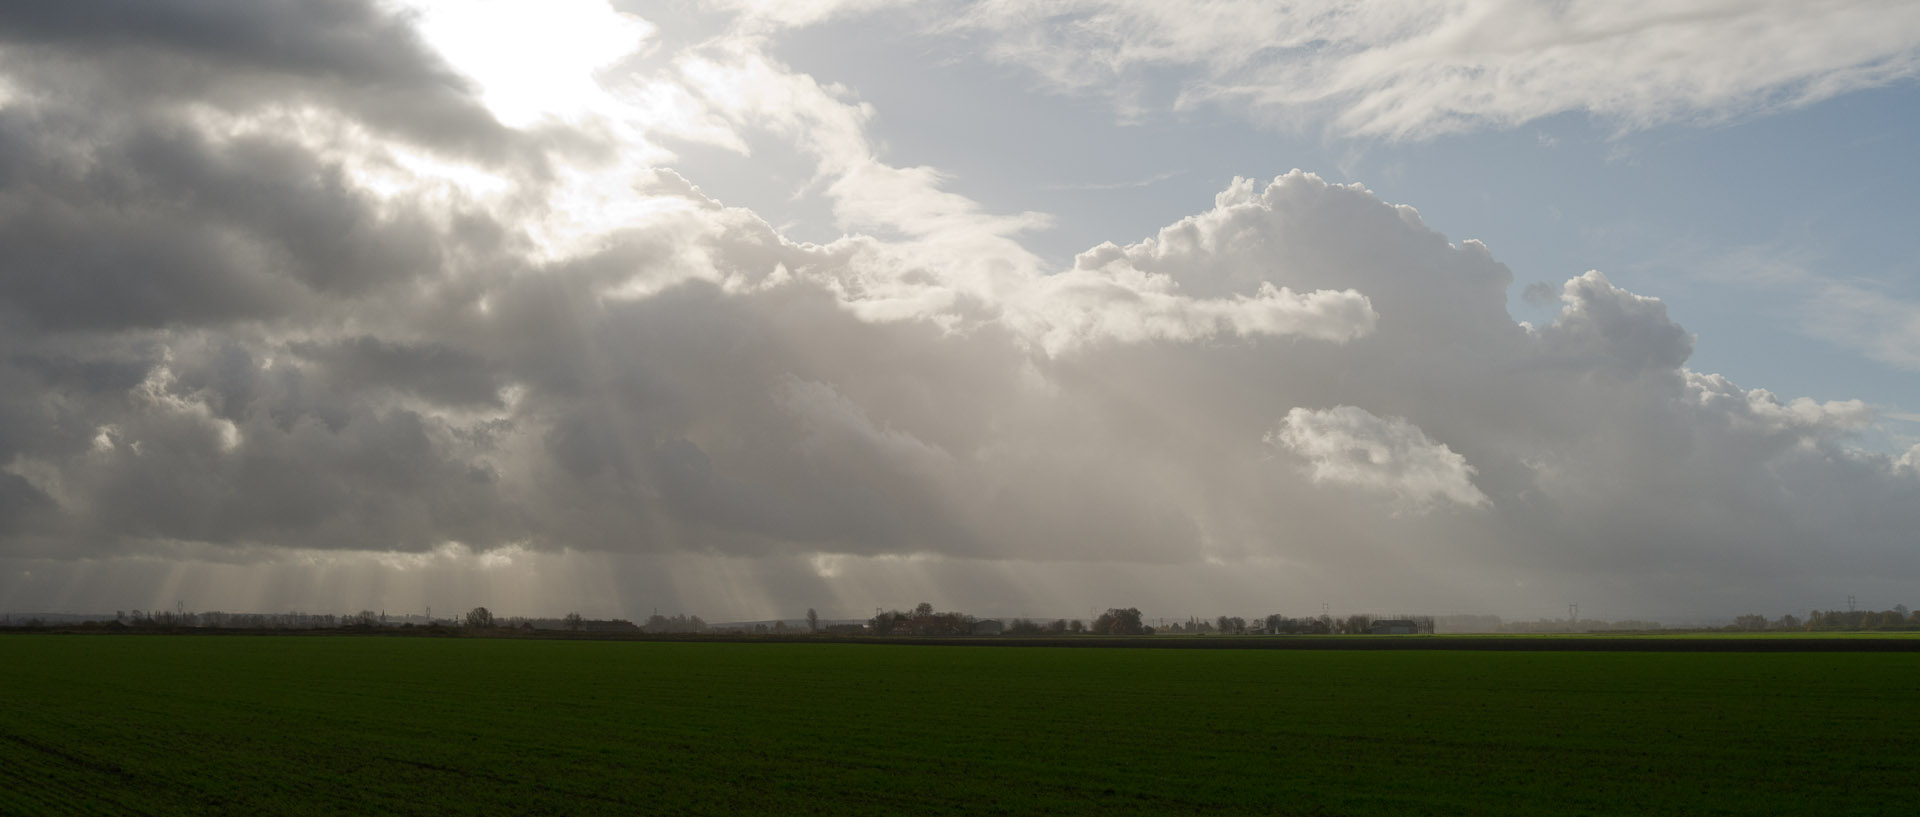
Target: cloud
{"points": [[1540, 294], [245, 336], [1417, 70], [1845, 311], [1148, 181], [1623, 331], [1345, 445], [144, 58], [1884, 328]]}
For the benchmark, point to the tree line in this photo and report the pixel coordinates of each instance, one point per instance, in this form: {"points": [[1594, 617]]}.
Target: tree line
{"points": [[1896, 618], [924, 620]]}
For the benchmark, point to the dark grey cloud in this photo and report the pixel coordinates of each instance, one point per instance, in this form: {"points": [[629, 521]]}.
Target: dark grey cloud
{"points": [[353, 55], [436, 372], [167, 228]]}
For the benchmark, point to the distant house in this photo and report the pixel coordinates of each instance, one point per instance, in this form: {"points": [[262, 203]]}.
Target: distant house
{"points": [[987, 627], [1394, 626]]}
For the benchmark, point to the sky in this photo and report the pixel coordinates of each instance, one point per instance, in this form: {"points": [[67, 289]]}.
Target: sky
{"points": [[1019, 308]]}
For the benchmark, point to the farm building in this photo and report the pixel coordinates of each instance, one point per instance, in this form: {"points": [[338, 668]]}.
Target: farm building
{"points": [[1394, 626], [988, 627]]}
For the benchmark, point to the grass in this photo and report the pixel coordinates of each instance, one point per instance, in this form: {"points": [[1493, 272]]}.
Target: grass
{"points": [[322, 725]]}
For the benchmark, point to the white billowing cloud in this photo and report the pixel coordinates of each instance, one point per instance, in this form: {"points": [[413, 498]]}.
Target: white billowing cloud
{"points": [[1128, 306], [1764, 412], [1606, 323], [950, 257], [1409, 70], [436, 343], [1345, 445]]}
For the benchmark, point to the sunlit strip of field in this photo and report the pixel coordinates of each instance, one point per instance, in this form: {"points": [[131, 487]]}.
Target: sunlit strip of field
{"points": [[320, 725]]}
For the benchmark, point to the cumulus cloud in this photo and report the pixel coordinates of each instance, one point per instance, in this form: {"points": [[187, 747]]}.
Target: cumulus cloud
{"points": [[1623, 331], [261, 321], [1345, 445]]}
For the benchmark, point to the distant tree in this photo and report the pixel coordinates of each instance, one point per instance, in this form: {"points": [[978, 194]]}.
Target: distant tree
{"points": [[479, 618], [1119, 621], [680, 623], [1076, 626], [573, 621], [1750, 621], [1788, 621], [1022, 626], [813, 621], [922, 621], [1357, 624]]}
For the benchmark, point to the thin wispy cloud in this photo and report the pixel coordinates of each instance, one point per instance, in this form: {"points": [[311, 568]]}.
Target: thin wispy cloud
{"points": [[1416, 70], [1126, 185]]}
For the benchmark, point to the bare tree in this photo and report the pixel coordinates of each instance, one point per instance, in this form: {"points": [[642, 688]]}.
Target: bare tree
{"points": [[574, 622], [813, 621], [479, 618]]}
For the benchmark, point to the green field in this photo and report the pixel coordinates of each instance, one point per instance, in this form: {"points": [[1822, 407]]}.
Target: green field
{"points": [[342, 725]]}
